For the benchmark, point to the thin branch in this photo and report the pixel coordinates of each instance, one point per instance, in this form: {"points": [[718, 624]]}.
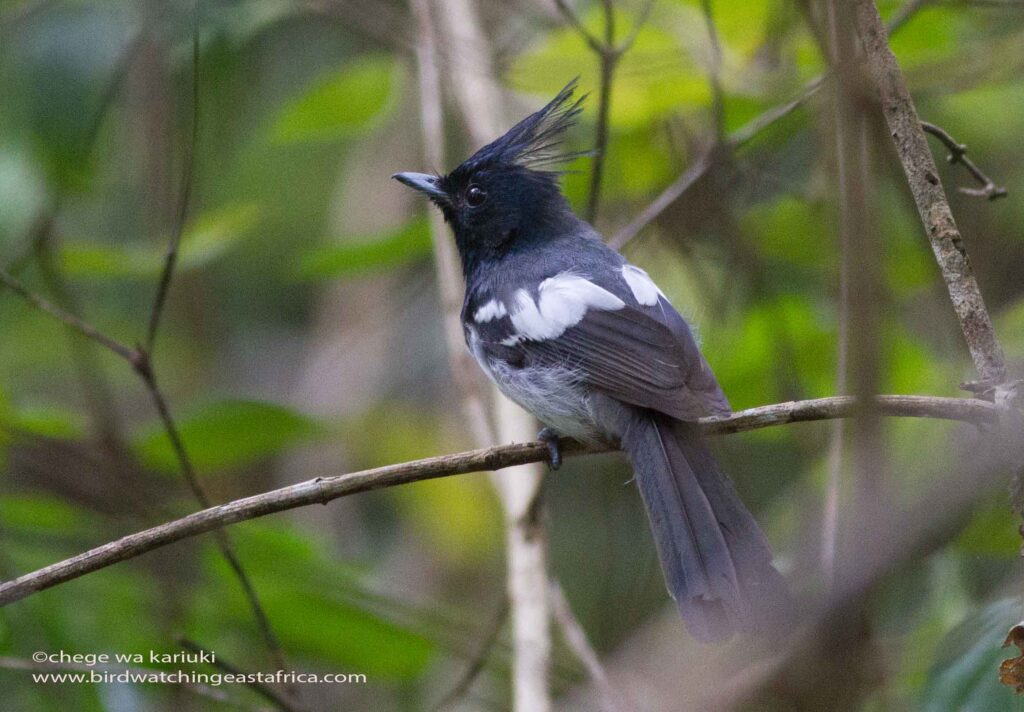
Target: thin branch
{"points": [[221, 537], [573, 19], [715, 71], [576, 639], [932, 203], [478, 661], [958, 154], [638, 24], [608, 56], [70, 320], [671, 194], [471, 79], [741, 137], [323, 490], [904, 14], [139, 359], [171, 256], [259, 688]]}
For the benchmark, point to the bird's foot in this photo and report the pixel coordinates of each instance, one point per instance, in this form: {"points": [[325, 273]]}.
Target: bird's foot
{"points": [[549, 438]]}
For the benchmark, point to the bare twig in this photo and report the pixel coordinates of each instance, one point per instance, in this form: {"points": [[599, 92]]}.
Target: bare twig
{"points": [[479, 660], [739, 138], [70, 320], [958, 154], [573, 19], [715, 71], [171, 256], [140, 361], [671, 194], [576, 639], [323, 490], [471, 73], [932, 203], [608, 54], [259, 688]]}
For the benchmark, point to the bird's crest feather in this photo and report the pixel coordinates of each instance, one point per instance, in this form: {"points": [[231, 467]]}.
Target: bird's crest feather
{"points": [[535, 141]]}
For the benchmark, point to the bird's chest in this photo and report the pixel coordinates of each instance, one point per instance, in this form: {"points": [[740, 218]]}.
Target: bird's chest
{"points": [[556, 395]]}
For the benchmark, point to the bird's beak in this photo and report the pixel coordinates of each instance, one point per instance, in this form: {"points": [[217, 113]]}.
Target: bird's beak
{"points": [[423, 182]]}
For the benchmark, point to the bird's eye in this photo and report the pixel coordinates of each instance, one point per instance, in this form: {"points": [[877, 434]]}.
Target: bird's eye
{"points": [[475, 196]]}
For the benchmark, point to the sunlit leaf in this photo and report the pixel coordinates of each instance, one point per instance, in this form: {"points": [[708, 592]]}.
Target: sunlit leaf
{"points": [[364, 255], [344, 102], [227, 434]]}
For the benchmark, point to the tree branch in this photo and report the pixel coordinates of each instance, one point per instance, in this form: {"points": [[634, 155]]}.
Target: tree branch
{"points": [[932, 203], [958, 154], [741, 137], [264, 691], [576, 638], [608, 55], [139, 359], [70, 320], [323, 490], [171, 257]]}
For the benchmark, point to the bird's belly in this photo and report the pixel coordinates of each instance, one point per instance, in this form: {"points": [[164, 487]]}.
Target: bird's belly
{"points": [[553, 395]]}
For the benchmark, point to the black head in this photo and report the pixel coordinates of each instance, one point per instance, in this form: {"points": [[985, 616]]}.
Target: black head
{"points": [[506, 192]]}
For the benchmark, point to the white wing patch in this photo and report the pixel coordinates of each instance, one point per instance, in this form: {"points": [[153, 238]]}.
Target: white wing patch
{"points": [[491, 310], [562, 302], [643, 287]]}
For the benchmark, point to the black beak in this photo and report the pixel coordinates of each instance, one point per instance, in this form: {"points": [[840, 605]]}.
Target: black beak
{"points": [[423, 182]]}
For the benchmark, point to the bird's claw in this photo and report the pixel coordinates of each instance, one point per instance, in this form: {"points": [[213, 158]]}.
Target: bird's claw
{"points": [[549, 438]]}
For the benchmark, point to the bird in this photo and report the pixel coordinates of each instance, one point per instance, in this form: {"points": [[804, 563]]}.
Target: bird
{"points": [[567, 328]]}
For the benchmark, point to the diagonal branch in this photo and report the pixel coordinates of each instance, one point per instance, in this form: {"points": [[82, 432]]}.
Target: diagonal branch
{"points": [[171, 256], [608, 54], [70, 320], [739, 138], [324, 489], [932, 203], [259, 688]]}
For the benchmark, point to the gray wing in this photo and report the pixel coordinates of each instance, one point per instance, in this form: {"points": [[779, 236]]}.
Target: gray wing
{"points": [[644, 356]]}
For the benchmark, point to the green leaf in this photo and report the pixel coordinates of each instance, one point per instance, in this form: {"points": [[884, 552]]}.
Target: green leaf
{"points": [[368, 254], [319, 608], [343, 103], [227, 434], [965, 677], [204, 240]]}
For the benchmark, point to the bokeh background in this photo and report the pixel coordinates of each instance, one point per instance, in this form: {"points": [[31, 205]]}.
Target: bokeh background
{"points": [[303, 334]]}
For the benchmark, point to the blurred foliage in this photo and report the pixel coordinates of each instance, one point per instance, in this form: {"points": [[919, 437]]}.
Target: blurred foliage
{"points": [[303, 333]]}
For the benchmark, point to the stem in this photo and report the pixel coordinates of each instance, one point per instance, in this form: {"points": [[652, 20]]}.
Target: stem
{"points": [[323, 490]]}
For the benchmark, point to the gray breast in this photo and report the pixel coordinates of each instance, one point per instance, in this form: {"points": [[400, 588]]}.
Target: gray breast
{"points": [[555, 395]]}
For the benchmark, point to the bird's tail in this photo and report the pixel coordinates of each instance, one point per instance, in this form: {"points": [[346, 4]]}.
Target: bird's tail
{"points": [[716, 560]]}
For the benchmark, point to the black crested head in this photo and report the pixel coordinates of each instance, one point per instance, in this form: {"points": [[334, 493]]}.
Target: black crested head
{"points": [[506, 195]]}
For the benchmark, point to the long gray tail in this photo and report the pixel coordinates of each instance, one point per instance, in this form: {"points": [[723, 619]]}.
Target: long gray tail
{"points": [[716, 560]]}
